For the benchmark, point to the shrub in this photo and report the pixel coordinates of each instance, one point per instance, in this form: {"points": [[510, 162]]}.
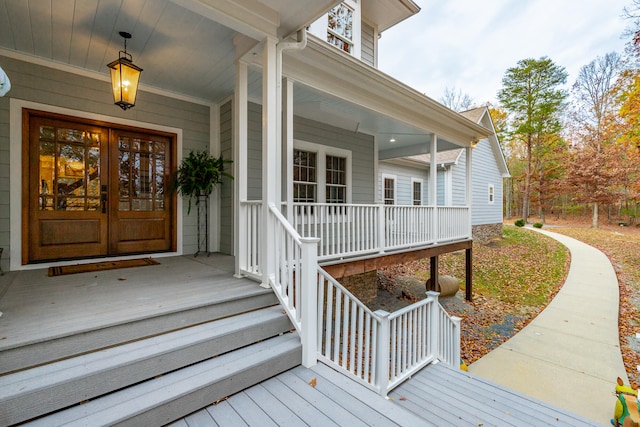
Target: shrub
{"points": [[537, 224], [519, 223]]}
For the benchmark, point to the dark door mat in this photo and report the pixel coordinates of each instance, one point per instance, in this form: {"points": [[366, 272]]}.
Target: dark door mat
{"points": [[99, 266]]}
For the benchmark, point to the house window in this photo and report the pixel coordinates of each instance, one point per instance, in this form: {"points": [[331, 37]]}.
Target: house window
{"points": [[417, 191], [340, 27], [491, 194], [305, 181], [389, 190], [336, 189], [321, 174]]}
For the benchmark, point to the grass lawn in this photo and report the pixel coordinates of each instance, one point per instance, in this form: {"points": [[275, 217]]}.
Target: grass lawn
{"points": [[514, 278]]}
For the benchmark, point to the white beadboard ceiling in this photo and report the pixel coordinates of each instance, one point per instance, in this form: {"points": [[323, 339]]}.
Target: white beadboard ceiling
{"points": [[187, 47], [179, 45]]}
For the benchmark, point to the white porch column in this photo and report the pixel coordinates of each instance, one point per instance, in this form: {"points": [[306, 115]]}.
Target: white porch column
{"points": [[469, 196], [240, 169], [269, 155], [287, 127], [433, 185], [214, 208]]}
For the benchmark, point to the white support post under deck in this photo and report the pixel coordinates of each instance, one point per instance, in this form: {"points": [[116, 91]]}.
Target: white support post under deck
{"points": [[270, 174], [240, 159]]}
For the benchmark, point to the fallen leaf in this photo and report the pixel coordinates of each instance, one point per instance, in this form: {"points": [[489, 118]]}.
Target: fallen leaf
{"points": [[403, 398], [313, 382]]}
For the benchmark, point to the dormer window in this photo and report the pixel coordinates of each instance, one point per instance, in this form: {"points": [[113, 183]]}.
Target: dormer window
{"points": [[340, 28]]}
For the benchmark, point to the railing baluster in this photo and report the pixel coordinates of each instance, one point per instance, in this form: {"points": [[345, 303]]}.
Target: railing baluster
{"points": [[338, 322]]}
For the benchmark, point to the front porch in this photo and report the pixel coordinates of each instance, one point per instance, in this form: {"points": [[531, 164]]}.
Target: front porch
{"points": [[41, 310], [55, 314]]}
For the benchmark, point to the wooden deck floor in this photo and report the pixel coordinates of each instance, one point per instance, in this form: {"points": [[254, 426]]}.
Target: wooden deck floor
{"points": [[436, 396], [36, 307]]}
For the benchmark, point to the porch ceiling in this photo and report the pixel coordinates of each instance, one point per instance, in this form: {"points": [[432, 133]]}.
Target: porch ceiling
{"points": [[184, 46], [337, 89]]}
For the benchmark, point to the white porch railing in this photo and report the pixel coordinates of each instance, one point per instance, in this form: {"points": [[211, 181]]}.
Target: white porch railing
{"points": [[380, 350], [453, 223], [250, 220], [348, 230]]}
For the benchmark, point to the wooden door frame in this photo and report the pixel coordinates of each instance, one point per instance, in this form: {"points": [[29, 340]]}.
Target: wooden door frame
{"points": [[175, 135]]}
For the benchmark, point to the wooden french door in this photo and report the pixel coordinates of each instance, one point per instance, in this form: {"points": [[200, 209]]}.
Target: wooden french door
{"points": [[95, 190]]}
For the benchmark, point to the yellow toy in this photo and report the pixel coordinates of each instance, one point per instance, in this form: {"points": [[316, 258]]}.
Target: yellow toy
{"points": [[626, 410]]}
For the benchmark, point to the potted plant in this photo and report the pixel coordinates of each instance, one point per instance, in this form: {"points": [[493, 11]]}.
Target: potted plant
{"points": [[198, 175]]}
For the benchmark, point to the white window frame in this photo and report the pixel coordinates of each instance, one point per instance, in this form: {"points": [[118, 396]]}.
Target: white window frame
{"points": [[320, 27], [321, 166], [394, 178], [491, 194], [413, 200]]}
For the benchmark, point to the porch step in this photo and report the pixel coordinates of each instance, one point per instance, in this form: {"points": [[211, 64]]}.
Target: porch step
{"points": [[63, 346], [164, 399], [47, 388]]}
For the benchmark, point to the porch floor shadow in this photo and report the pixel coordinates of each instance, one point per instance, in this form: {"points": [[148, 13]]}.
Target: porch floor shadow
{"points": [[37, 308]]}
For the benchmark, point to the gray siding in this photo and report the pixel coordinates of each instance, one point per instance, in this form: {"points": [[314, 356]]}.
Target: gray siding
{"points": [[368, 45], [361, 146], [45, 85], [458, 181], [404, 189], [440, 187], [485, 172], [254, 184], [226, 190]]}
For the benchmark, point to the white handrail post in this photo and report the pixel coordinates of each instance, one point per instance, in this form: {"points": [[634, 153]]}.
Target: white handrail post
{"points": [[456, 337], [434, 320], [309, 295], [382, 352], [381, 227]]}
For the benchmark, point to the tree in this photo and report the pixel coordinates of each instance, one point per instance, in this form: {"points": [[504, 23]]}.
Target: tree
{"points": [[530, 93], [456, 100], [594, 132]]}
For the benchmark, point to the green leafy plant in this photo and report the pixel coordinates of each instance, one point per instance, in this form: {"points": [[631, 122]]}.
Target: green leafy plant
{"points": [[198, 175], [519, 223], [537, 224]]}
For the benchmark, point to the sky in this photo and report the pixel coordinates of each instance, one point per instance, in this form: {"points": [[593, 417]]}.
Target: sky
{"points": [[468, 45]]}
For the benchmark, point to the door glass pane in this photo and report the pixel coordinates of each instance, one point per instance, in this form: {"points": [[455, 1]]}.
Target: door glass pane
{"points": [[47, 169], [69, 169], [142, 174], [93, 167]]}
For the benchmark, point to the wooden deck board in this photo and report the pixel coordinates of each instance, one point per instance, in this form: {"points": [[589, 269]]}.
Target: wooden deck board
{"points": [[326, 404], [224, 415], [358, 408], [485, 396], [199, 419], [435, 396], [309, 414], [376, 402], [251, 412], [277, 410], [490, 401], [527, 405]]}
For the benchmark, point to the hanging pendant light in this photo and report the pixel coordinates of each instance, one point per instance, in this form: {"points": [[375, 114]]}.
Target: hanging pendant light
{"points": [[124, 77]]}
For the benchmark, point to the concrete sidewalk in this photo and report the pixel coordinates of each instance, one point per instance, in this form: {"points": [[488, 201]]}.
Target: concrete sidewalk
{"points": [[569, 355]]}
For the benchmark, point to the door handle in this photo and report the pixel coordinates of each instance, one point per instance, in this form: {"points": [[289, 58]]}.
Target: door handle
{"points": [[103, 198]]}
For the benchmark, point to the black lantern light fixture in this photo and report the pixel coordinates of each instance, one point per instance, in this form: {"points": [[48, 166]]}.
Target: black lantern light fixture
{"points": [[124, 77]]}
